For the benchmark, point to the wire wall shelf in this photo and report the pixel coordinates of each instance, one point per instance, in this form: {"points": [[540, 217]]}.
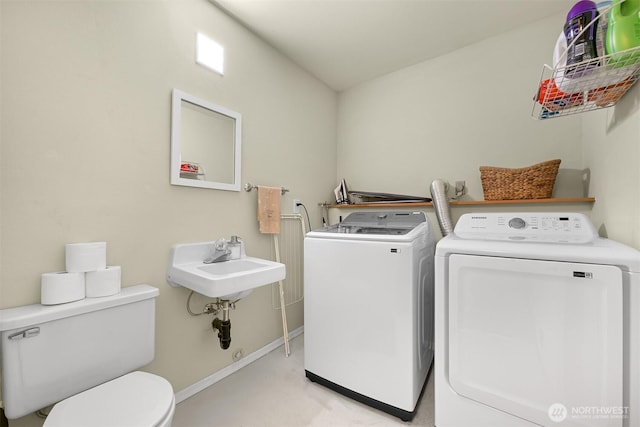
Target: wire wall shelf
{"points": [[599, 82], [586, 86]]}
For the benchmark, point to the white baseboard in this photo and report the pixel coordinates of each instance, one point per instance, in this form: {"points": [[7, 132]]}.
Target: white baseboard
{"points": [[235, 366]]}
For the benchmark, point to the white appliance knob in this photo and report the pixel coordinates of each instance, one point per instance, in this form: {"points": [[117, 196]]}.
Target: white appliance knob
{"points": [[517, 223]]}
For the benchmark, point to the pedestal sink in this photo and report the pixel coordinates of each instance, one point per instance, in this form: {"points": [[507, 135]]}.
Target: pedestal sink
{"points": [[227, 280]]}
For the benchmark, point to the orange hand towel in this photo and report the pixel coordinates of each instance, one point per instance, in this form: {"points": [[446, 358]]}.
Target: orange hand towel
{"points": [[269, 209]]}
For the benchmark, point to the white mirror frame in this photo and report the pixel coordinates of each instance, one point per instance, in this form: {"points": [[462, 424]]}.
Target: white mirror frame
{"points": [[176, 131]]}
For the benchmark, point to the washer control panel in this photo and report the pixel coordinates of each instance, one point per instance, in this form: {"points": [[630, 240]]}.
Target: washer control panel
{"points": [[525, 226]]}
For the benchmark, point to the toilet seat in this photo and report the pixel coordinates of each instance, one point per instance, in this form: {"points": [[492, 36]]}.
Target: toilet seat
{"points": [[136, 399]]}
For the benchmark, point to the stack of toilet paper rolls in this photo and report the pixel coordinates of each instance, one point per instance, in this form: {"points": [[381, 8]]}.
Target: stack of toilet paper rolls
{"points": [[87, 275]]}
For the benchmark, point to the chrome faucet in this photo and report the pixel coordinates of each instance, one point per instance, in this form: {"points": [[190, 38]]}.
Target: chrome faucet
{"points": [[220, 252]]}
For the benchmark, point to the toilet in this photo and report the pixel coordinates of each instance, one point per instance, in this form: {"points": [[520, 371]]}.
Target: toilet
{"points": [[82, 357], [141, 399]]}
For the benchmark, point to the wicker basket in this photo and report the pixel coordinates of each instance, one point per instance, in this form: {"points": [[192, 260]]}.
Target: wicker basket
{"points": [[533, 182]]}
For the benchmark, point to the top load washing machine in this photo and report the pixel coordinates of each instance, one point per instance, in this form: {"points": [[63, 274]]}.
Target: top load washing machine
{"points": [[368, 308], [537, 323]]}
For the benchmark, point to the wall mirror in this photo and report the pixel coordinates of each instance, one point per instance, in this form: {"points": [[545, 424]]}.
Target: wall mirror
{"points": [[205, 143]]}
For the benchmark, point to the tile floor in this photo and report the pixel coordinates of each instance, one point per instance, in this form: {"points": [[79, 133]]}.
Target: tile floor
{"points": [[273, 391]]}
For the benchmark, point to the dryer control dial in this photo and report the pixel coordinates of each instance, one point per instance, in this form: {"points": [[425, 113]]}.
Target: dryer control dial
{"points": [[517, 223]]}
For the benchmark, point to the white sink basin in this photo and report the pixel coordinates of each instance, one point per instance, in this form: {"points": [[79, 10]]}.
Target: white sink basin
{"points": [[234, 266], [230, 280]]}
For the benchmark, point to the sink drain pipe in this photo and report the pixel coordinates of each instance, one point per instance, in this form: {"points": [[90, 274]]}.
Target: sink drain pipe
{"points": [[223, 326]]}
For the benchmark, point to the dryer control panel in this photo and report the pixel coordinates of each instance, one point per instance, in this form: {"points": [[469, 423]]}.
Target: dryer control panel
{"points": [[527, 226]]}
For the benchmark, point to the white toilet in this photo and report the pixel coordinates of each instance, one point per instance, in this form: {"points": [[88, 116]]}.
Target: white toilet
{"points": [[82, 355]]}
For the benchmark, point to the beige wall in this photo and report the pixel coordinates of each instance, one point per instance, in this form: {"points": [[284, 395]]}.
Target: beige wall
{"points": [[445, 117], [86, 96], [612, 154]]}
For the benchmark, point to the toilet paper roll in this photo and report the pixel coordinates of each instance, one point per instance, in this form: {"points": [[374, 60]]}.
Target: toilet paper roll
{"points": [[83, 257], [103, 283], [61, 287]]}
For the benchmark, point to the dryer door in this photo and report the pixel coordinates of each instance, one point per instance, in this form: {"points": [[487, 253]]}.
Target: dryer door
{"points": [[541, 340]]}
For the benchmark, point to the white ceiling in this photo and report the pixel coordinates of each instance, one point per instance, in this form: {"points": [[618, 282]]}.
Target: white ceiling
{"points": [[346, 42]]}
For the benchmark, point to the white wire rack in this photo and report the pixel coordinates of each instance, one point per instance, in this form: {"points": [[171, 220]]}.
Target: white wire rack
{"points": [[590, 85], [291, 248], [290, 289], [600, 84]]}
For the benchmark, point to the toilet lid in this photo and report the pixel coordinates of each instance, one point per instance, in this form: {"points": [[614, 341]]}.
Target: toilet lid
{"points": [[136, 399]]}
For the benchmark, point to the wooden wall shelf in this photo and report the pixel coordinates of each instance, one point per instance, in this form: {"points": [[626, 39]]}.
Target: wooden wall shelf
{"points": [[469, 203]]}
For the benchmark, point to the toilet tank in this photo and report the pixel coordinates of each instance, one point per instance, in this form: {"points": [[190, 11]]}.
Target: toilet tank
{"points": [[52, 352]]}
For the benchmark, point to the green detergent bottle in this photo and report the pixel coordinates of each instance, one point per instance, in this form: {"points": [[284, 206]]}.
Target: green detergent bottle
{"points": [[623, 32]]}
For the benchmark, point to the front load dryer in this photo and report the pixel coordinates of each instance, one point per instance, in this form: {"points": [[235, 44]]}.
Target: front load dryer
{"points": [[368, 308], [536, 324]]}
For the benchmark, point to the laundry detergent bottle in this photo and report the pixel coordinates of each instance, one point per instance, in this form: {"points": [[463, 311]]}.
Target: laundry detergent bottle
{"points": [[623, 32], [580, 32]]}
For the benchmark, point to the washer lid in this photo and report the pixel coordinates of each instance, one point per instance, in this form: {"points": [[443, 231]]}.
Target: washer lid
{"points": [[136, 399], [386, 225], [385, 219]]}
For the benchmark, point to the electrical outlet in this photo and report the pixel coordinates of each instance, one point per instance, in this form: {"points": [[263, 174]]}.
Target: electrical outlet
{"points": [[296, 208]]}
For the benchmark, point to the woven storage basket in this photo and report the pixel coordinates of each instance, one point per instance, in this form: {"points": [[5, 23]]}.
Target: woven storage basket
{"points": [[533, 182]]}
